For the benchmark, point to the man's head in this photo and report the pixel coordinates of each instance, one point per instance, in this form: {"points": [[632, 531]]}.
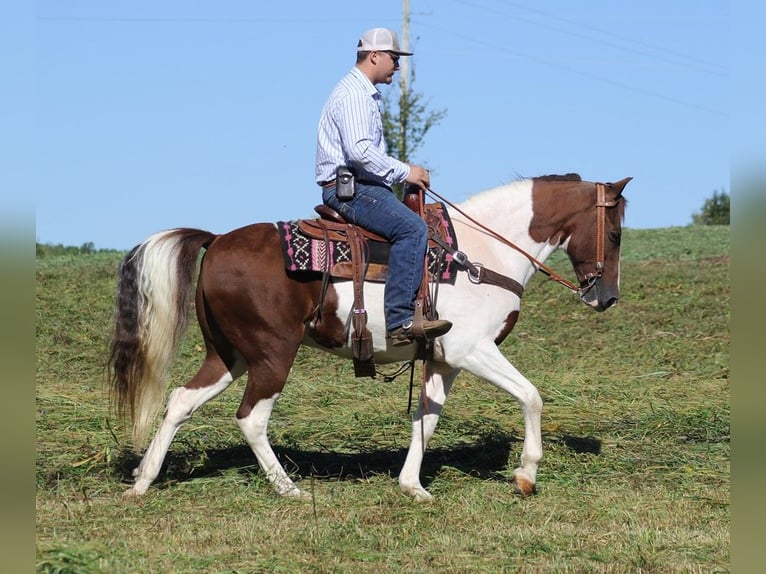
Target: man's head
{"points": [[378, 55]]}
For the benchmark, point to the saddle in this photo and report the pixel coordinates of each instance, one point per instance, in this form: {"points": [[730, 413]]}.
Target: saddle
{"points": [[331, 227]]}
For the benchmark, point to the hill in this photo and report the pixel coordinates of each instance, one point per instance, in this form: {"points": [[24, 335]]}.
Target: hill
{"points": [[636, 437]]}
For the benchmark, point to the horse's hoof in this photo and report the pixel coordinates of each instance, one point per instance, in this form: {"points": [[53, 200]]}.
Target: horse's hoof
{"points": [[298, 494], [423, 496], [139, 487], [131, 493], [522, 484], [418, 493]]}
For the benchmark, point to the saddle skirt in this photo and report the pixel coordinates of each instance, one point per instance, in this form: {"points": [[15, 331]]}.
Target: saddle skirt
{"points": [[321, 245]]}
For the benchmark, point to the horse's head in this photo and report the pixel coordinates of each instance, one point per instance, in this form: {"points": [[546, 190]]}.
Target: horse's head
{"points": [[593, 243], [584, 219]]}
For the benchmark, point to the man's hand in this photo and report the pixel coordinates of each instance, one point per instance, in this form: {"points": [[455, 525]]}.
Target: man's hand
{"points": [[419, 176]]}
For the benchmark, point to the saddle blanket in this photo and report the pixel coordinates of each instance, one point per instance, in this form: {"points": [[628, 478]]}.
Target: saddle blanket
{"points": [[304, 253]]}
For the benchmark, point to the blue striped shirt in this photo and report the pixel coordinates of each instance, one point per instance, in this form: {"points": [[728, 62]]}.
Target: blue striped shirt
{"points": [[351, 133]]}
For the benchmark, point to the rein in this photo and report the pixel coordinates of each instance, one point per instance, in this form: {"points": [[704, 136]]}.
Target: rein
{"points": [[590, 278], [477, 273]]}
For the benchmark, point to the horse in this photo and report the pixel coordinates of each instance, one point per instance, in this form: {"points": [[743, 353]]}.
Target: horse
{"points": [[254, 315]]}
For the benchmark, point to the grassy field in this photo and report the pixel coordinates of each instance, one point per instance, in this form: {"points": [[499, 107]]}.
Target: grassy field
{"points": [[635, 476]]}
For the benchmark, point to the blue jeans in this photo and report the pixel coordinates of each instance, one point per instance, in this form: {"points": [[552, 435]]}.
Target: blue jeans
{"points": [[376, 208]]}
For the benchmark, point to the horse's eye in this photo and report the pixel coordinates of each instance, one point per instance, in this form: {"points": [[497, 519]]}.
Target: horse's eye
{"points": [[615, 237]]}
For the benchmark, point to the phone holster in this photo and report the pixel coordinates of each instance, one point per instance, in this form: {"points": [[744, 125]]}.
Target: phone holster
{"points": [[344, 183]]}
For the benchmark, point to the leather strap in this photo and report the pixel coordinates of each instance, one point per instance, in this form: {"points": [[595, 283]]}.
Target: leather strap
{"points": [[361, 338], [480, 274], [477, 273], [600, 225], [331, 183]]}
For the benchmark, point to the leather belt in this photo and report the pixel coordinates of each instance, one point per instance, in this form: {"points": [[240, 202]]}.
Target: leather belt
{"points": [[331, 183]]}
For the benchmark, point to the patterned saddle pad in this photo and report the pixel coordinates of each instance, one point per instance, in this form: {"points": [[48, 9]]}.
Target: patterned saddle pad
{"points": [[304, 253]]}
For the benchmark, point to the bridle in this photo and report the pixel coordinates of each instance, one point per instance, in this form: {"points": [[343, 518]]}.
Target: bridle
{"points": [[589, 279], [475, 270]]}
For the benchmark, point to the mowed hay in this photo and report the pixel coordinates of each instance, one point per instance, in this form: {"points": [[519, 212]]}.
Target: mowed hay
{"points": [[635, 475]]}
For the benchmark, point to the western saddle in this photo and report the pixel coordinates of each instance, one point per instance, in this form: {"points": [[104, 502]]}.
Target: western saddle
{"points": [[332, 227]]}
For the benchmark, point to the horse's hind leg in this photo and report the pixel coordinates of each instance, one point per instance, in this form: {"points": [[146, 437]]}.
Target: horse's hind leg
{"points": [[254, 426], [212, 378], [435, 391], [264, 385]]}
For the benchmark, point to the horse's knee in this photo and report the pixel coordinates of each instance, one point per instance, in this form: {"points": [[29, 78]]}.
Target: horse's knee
{"points": [[537, 401], [532, 402]]}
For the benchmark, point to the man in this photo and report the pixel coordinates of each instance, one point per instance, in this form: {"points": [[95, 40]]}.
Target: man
{"points": [[351, 135]]}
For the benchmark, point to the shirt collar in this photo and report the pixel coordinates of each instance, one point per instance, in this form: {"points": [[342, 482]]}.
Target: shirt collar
{"points": [[366, 83]]}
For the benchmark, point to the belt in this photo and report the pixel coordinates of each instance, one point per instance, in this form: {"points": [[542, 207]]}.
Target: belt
{"points": [[331, 183]]}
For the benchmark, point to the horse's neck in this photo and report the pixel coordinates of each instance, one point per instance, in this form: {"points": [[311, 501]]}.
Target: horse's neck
{"points": [[507, 211]]}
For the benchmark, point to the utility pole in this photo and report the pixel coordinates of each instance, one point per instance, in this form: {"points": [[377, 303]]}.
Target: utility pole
{"points": [[405, 125], [404, 74]]}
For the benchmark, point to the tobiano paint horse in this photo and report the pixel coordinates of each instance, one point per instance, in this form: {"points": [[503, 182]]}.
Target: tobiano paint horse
{"points": [[254, 316]]}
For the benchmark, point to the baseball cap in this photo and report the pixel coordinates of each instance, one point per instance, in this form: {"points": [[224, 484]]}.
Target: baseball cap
{"points": [[380, 40]]}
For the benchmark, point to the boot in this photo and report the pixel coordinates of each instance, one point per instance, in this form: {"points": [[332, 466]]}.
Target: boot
{"points": [[404, 335]]}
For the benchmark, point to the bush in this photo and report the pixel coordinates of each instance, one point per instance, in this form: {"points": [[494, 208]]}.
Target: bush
{"points": [[715, 211], [50, 250]]}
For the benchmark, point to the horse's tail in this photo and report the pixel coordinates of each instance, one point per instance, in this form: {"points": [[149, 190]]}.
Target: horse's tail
{"points": [[154, 289]]}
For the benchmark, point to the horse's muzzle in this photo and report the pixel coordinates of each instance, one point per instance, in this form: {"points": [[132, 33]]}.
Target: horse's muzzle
{"points": [[598, 297]]}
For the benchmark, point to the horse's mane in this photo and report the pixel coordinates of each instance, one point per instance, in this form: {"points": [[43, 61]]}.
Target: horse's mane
{"points": [[502, 189], [556, 177]]}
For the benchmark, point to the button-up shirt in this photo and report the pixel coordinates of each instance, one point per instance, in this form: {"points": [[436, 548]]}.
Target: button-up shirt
{"points": [[351, 134]]}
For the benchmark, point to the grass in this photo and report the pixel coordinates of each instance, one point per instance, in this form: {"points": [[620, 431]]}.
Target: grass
{"points": [[635, 430]]}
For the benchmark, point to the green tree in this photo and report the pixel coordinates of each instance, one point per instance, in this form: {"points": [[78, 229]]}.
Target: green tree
{"points": [[715, 210], [406, 123], [51, 250]]}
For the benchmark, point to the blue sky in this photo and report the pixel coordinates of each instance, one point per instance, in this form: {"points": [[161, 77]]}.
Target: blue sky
{"points": [[151, 115]]}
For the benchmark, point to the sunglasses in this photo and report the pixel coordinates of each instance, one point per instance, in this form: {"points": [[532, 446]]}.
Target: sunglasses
{"points": [[394, 57]]}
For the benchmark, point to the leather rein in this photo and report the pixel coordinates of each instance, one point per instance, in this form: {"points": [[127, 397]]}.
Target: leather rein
{"points": [[478, 274]]}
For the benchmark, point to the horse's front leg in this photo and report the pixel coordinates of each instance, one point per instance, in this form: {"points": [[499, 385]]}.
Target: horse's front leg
{"points": [[487, 362], [433, 396]]}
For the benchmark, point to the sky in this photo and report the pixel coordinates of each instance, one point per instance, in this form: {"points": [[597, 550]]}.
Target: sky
{"points": [[153, 115]]}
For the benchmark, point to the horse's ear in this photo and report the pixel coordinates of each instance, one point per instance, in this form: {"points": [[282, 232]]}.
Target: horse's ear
{"points": [[620, 185]]}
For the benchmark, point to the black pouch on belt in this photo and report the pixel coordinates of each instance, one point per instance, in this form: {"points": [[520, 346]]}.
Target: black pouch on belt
{"points": [[344, 183]]}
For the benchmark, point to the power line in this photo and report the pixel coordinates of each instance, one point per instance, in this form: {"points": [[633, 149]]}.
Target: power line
{"points": [[708, 67], [567, 68], [622, 37], [190, 20]]}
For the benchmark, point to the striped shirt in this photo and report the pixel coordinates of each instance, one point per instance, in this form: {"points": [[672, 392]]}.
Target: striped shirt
{"points": [[351, 133]]}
